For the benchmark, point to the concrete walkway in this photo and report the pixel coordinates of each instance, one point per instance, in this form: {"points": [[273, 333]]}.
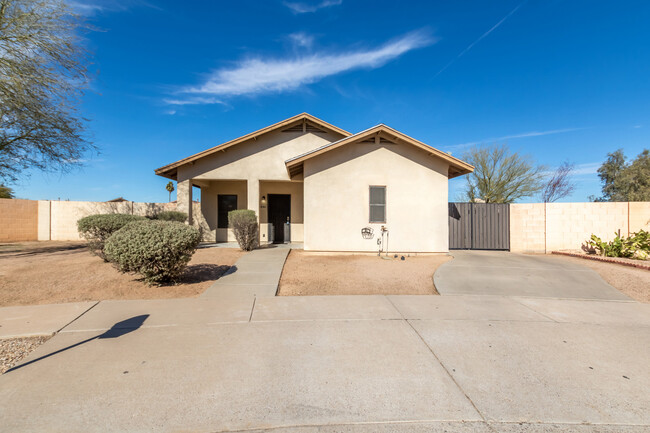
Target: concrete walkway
{"points": [[510, 274], [36, 320], [256, 274], [339, 364]]}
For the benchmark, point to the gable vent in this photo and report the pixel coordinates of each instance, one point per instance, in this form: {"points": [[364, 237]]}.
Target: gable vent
{"points": [[382, 140], [308, 128]]}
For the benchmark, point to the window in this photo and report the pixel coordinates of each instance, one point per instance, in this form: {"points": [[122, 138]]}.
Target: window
{"points": [[225, 203], [377, 204]]}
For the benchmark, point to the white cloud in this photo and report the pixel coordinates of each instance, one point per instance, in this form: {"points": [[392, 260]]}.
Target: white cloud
{"points": [[509, 137], [92, 7], [256, 75], [301, 39], [587, 169], [302, 8], [193, 100]]}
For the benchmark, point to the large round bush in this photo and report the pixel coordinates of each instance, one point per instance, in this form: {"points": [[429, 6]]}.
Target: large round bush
{"points": [[96, 229], [157, 250]]}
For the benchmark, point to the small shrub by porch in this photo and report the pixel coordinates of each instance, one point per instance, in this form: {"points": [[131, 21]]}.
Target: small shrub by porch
{"points": [[245, 227]]}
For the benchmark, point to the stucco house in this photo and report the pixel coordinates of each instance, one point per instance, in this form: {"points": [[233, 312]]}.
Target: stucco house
{"points": [[314, 183]]}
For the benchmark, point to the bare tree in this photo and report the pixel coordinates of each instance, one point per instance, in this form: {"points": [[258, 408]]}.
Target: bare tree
{"points": [[560, 184], [42, 76], [501, 176]]}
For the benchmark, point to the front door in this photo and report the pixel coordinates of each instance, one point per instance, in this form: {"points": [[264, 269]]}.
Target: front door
{"points": [[279, 215]]}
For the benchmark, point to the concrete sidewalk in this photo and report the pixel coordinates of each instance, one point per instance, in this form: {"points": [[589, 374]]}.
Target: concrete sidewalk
{"points": [[35, 320], [340, 363], [255, 274]]}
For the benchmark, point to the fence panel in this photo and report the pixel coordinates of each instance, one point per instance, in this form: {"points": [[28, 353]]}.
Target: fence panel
{"points": [[479, 226]]}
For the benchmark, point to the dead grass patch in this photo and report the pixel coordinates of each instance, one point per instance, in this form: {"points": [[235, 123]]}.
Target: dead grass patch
{"points": [[308, 273], [55, 272]]}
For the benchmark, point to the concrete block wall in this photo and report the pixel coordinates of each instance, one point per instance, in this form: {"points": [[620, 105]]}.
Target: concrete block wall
{"points": [[569, 225], [542, 228], [65, 214], [18, 220], [527, 227], [639, 216]]}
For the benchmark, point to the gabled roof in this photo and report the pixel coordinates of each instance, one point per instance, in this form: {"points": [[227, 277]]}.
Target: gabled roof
{"points": [[294, 122], [381, 134]]}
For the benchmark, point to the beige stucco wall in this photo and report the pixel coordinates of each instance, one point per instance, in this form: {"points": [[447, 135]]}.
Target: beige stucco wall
{"points": [[209, 206], [256, 159], [540, 227], [18, 220], [295, 190], [250, 170], [44, 220], [336, 194]]}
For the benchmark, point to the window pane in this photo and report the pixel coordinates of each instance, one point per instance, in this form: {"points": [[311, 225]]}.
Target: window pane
{"points": [[377, 195], [377, 213], [225, 203]]}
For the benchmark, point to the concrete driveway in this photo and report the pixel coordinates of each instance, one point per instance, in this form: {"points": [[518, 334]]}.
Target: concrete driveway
{"points": [[339, 364], [509, 274]]}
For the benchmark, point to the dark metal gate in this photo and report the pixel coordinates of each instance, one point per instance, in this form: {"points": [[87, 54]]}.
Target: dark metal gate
{"points": [[479, 226]]}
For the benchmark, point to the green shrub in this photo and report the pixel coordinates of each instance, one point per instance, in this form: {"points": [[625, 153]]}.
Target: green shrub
{"points": [[171, 215], [636, 246], [96, 229], [157, 250], [243, 223]]}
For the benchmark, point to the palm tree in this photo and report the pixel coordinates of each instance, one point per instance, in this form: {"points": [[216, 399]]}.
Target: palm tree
{"points": [[170, 189]]}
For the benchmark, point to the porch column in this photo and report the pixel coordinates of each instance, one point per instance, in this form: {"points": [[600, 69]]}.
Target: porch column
{"points": [[253, 196], [184, 198]]}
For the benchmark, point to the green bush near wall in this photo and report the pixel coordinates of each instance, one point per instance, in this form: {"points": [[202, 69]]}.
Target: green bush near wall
{"points": [[157, 250], [96, 229], [171, 215], [243, 223], [635, 246]]}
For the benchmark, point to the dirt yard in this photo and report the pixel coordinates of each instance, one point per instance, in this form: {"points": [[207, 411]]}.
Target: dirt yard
{"points": [[54, 272], [633, 282], [318, 274]]}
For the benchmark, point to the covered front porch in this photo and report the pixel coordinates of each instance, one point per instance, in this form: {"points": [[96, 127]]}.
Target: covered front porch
{"points": [[278, 205]]}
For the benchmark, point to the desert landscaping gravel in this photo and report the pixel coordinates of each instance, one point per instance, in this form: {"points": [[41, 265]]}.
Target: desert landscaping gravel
{"points": [[308, 273], [53, 272], [13, 350]]}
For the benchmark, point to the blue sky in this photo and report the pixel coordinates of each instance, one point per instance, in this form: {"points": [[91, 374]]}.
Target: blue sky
{"points": [[559, 80]]}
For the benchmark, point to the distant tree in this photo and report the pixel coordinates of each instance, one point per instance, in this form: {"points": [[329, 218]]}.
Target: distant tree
{"points": [[6, 192], [42, 77], [623, 181], [170, 189], [560, 184], [501, 176]]}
